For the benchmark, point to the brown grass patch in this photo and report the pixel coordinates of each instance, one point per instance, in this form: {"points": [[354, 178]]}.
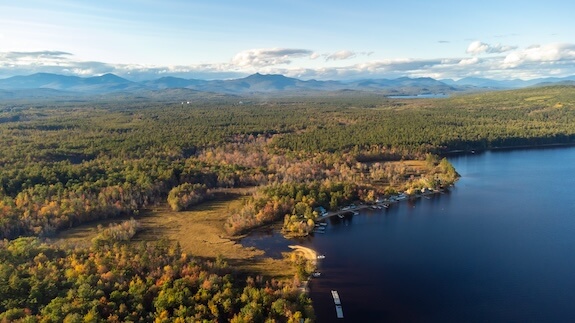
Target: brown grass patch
{"points": [[420, 165], [199, 231]]}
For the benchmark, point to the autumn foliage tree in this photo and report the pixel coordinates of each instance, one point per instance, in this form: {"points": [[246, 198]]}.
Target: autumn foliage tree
{"points": [[185, 195], [145, 283]]}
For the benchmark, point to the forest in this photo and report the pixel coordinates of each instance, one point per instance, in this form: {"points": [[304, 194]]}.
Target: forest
{"points": [[65, 163], [141, 283]]}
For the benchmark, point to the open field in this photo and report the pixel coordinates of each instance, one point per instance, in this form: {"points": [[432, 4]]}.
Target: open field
{"points": [[199, 231]]}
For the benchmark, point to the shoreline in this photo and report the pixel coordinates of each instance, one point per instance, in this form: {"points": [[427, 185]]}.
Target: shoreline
{"points": [[482, 150], [311, 256], [308, 253], [386, 204]]}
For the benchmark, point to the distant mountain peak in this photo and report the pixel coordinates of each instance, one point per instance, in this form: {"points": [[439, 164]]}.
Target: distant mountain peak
{"points": [[252, 84], [110, 77], [259, 76]]}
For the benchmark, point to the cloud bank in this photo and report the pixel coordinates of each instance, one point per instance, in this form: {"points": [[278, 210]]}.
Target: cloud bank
{"points": [[554, 54], [482, 60]]}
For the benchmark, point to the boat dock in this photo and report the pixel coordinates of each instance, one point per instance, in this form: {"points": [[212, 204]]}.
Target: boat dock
{"points": [[337, 301], [386, 203]]}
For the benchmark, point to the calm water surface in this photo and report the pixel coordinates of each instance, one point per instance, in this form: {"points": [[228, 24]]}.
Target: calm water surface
{"points": [[499, 247], [419, 96]]}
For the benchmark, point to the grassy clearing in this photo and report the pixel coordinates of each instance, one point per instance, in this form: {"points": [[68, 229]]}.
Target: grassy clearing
{"points": [[199, 231], [420, 165]]}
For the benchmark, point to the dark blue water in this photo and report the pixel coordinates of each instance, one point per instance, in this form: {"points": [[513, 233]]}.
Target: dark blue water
{"points": [[500, 247]]}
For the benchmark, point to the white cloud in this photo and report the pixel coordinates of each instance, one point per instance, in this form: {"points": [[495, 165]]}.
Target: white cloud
{"points": [[37, 55], [551, 53], [314, 56], [469, 61], [340, 55], [269, 56], [477, 47]]}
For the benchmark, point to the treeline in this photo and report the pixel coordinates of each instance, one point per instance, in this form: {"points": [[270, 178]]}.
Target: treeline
{"points": [[135, 283], [124, 231], [275, 202], [42, 200], [185, 195], [446, 125]]}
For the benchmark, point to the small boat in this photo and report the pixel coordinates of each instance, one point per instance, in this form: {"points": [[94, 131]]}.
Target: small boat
{"points": [[316, 274], [402, 197], [355, 213], [341, 216], [323, 224], [321, 257]]}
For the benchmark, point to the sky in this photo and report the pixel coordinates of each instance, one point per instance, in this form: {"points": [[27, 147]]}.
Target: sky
{"points": [[319, 39]]}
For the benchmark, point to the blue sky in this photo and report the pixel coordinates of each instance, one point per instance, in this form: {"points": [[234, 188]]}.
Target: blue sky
{"points": [[306, 39]]}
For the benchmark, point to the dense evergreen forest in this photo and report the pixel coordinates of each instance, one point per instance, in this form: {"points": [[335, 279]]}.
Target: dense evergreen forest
{"points": [[71, 162]]}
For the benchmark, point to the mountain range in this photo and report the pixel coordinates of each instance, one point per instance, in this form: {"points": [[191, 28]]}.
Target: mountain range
{"points": [[53, 85]]}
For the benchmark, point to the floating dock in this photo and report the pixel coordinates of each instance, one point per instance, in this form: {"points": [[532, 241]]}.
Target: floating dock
{"points": [[337, 301], [339, 311]]}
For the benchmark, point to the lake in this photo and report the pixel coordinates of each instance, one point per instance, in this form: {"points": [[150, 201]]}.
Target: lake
{"points": [[499, 247], [420, 96]]}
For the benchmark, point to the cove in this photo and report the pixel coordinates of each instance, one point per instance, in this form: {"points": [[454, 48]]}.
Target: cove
{"points": [[499, 247]]}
